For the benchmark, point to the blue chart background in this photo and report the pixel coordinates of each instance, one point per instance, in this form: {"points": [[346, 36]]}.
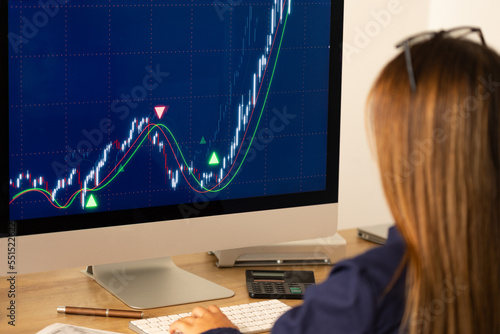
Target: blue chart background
{"points": [[75, 74]]}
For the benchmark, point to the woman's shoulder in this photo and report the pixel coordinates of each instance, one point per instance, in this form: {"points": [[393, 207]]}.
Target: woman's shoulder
{"points": [[380, 264]]}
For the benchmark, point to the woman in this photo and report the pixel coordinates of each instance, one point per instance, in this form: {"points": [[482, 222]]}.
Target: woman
{"points": [[434, 113]]}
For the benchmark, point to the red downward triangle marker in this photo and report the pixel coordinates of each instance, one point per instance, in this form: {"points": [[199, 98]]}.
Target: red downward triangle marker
{"points": [[160, 110]]}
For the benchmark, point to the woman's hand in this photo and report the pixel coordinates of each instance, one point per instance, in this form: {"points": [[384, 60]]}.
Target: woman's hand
{"points": [[201, 320]]}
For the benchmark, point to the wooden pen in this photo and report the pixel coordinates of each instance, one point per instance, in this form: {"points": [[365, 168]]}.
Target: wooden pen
{"points": [[99, 312]]}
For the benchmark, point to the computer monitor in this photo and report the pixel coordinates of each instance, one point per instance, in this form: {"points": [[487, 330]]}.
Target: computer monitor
{"points": [[143, 129]]}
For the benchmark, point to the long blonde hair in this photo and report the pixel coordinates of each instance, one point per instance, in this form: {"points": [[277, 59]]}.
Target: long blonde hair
{"points": [[438, 150]]}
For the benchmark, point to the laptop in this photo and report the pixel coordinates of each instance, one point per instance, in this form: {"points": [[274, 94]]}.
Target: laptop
{"points": [[375, 233]]}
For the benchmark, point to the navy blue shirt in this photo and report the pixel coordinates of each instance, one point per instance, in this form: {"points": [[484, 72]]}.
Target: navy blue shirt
{"points": [[353, 299]]}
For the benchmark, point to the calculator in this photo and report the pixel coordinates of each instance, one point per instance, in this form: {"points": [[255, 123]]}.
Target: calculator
{"points": [[278, 284]]}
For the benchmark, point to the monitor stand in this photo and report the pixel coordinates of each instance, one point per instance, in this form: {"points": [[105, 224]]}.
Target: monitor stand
{"points": [[154, 283], [318, 251]]}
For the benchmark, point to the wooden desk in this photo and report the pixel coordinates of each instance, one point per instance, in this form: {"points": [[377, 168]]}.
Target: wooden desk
{"points": [[38, 295]]}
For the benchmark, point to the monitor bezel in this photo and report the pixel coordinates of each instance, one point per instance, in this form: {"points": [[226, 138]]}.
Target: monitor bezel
{"points": [[212, 208]]}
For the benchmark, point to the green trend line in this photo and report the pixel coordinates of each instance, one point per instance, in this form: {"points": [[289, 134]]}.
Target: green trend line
{"points": [[122, 166], [261, 111], [256, 127]]}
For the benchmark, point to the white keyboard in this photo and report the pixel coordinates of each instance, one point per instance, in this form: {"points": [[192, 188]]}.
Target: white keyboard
{"points": [[249, 318]]}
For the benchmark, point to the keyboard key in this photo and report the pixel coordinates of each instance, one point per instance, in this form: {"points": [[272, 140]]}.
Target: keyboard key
{"points": [[250, 318]]}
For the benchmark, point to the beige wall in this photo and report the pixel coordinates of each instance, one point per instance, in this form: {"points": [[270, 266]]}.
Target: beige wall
{"points": [[372, 28], [369, 38], [480, 13]]}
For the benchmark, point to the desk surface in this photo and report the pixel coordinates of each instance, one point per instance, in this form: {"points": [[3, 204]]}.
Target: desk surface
{"points": [[38, 295]]}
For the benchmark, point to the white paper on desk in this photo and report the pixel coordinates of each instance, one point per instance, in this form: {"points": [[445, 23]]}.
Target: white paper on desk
{"points": [[70, 329]]}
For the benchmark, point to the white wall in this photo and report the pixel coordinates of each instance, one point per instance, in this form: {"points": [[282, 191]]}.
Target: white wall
{"points": [[371, 29], [369, 40], [446, 14]]}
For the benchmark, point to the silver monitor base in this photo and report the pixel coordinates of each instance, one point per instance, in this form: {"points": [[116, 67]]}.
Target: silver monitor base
{"points": [[319, 251], [154, 283]]}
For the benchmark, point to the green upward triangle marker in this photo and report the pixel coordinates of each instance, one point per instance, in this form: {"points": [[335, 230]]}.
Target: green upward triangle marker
{"points": [[203, 141], [91, 203], [213, 159]]}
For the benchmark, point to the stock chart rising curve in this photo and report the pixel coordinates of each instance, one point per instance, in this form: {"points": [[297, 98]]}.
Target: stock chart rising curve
{"points": [[182, 139]]}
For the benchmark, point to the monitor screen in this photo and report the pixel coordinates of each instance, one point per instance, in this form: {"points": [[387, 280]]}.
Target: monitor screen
{"points": [[132, 112]]}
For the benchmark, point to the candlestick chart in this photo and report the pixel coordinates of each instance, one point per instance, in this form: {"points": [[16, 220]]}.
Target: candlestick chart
{"points": [[131, 104]]}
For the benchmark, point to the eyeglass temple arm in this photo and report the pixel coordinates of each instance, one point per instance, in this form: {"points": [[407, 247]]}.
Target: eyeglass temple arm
{"points": [[409, 66]]}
